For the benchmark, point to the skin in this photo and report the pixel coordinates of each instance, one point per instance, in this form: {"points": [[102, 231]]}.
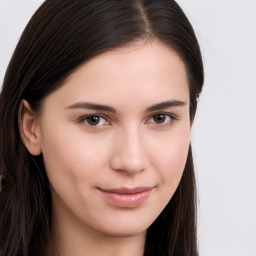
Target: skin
{"points": [[129, 148]]}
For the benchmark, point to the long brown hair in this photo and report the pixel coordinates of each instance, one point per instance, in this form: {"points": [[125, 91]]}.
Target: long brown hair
{"points": [[60, 37]]}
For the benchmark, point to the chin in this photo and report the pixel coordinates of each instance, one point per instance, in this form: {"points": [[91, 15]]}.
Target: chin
{"points": [[128, 228], [124, 233]]}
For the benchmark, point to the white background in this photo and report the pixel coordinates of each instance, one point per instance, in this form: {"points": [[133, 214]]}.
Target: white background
{"points": [[224, 132]]}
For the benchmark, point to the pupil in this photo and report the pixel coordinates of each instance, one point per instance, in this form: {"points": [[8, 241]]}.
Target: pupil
{"points": [[93, 120], [159, 118]]}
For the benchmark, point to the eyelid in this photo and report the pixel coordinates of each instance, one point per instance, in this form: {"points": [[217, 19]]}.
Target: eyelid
{"points": [[81, 120], [171, 115]]}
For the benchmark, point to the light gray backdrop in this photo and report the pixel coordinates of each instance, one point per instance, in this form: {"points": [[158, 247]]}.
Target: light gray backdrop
{"points": [[224, 132]]}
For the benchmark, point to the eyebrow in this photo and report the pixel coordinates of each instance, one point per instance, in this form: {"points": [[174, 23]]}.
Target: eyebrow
{"points": [[93, 106], [166, 104], [100, 107]]}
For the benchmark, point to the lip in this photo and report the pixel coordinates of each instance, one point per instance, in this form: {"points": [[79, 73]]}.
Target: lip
{"points": [[127, 197]]}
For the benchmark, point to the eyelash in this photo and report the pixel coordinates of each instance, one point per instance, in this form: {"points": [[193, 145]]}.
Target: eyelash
{"points": [[166, 122], [84, 120]]}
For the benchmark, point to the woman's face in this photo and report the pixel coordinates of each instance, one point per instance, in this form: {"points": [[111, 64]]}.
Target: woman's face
{"points": [[115, 139]]}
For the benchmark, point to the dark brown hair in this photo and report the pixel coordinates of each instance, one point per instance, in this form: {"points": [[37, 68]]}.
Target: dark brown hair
{"points": [[61, 36]]}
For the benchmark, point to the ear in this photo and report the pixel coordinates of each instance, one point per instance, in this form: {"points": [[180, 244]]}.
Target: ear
{"points": [[29, 128]]}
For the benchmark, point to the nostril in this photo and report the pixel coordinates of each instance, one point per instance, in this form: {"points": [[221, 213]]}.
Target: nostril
{"points": [[129, 152], [128, 164]]}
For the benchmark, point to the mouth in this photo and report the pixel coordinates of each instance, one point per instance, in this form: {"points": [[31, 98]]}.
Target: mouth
{"points": [[127, 197]]}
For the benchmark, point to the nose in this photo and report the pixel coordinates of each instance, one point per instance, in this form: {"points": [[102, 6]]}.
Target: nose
{"points": [[129, 153]]}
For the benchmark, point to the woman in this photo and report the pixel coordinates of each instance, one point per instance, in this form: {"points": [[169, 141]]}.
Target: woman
{"points": [[96, 112]]}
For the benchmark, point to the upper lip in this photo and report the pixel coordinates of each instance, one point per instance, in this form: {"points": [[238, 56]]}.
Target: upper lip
{"points": [[126, 190]]}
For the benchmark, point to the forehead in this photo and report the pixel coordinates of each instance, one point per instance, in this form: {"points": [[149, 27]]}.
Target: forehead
{"points": [[150, 69]]}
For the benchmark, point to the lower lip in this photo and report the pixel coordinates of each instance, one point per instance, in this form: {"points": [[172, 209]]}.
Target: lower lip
{"points": [[127, 200]]}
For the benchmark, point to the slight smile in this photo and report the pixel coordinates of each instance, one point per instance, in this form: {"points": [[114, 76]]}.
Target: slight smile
{"points": [[127, 197]]}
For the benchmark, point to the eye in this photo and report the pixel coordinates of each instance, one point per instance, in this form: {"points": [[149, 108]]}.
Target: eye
{"points": [[162, 119], [159, 118], [94, 120]]}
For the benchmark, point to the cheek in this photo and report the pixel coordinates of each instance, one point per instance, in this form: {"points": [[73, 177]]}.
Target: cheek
{"points": [[70, 157], [171, 157]]}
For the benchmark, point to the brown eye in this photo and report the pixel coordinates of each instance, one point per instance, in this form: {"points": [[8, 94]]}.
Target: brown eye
{"points": [[162, 119], [93, 120], [159, 118]]}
